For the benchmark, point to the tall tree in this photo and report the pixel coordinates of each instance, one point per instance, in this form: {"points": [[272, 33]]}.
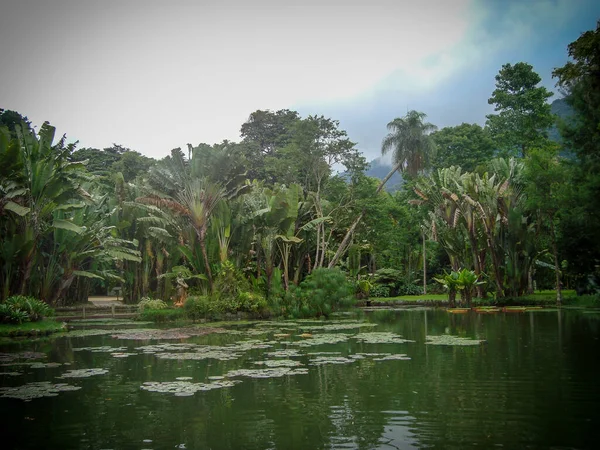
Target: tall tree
{"points": [[580, 81], [523, 114], [466, 145], [412, 148], [410, 142]]}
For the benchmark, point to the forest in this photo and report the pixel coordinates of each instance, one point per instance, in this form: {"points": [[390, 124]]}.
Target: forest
{"points": [[286, 221]]}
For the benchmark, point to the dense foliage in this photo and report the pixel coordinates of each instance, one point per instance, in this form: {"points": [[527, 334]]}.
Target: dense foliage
{"points": [[266, 225]]}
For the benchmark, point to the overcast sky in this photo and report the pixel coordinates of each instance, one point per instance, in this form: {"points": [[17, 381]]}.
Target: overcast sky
{"points": [[154, 75]]}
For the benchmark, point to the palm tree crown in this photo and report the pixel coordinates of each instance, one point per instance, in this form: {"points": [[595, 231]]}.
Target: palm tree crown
{"points": [[410, 142]]}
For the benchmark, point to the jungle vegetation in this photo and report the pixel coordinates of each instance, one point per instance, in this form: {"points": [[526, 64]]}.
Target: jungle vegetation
{"points": [[287, 211]]}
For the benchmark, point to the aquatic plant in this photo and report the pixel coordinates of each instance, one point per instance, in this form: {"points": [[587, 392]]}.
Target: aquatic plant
{"points": [[321, 360], [40, 365], [38, 389], [339, 326], [274, 372], [83, 373], [185, 388], [400, 357], [447, 339], [321, 339], [10, 357], [279, 363], [102, 349], [288, 353], [381, 338]]}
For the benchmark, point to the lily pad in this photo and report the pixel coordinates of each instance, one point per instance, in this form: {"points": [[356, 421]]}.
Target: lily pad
{"points": [[146, 334], [274, 372], [10, 357], [381, 338], [165, 347], [399, 357], [103, 349], [289, 353], [320, 339], [83, 373], [123, 354], [185, 388], [279, 363], [321, 360], [447, 339], [89, 332], [339, 326], [11, 374], [40, 365], [38, 389], [184, 378]]}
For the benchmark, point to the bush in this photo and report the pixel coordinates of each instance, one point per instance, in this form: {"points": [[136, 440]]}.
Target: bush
{"points": [[34, 309], [10, 315], [148, 303], [197, 307], [380, 290], [253, 303], [321, 293], [162, 315], [410, 289]]}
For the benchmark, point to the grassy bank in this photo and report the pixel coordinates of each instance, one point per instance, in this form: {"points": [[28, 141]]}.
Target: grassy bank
{"points": [[41, 328], [540, 298]]}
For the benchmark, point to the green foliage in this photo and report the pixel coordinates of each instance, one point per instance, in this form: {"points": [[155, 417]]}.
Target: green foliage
{"points": [[467, 146], [523, 114], [380, 291], [198, 307], [321, 293], [410, 142], [8, 314], [162, 315], [148, 303], [35, 309]]}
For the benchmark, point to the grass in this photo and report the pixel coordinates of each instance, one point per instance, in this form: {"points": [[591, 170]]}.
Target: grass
{"points": [[540, 298], [41, 328]]}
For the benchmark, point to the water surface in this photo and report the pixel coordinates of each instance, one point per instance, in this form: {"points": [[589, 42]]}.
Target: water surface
{"points": [[532, 384]]}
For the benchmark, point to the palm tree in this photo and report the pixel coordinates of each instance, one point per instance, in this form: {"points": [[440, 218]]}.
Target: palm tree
{"points": [[410, 143], [412, 149], [196, 203]]}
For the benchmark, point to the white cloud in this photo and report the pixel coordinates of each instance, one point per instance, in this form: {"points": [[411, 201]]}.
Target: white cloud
{"points": [[152, 76]]}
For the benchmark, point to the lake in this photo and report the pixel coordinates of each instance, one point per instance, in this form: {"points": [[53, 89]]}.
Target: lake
{"points": [[369, 380]]}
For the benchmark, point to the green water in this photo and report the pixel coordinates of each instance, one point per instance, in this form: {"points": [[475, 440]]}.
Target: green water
{"points": [[533, 384]]}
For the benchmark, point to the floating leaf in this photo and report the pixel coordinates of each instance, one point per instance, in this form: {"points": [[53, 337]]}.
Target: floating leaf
{"points": [[274, 372], [83, 373], [381, 338], [447, 339], [185, 388], [38, 389], [279, 363]]}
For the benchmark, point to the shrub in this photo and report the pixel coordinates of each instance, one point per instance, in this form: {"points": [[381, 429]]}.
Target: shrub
{"points": [[380, 290], [410, 289], [252, 303], [35, 309], [162, 315], [322, 292], [148, 303], [197, 307], [8, 314]]}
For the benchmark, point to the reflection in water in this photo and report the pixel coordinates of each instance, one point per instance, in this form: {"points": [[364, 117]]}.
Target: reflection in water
{"points": [[534, 383]]}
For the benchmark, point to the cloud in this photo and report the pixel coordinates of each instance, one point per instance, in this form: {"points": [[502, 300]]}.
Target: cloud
{"points": [[152, 76]]}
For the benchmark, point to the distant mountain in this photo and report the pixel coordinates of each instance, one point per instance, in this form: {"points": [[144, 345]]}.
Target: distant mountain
{"points": [[378, 168]]}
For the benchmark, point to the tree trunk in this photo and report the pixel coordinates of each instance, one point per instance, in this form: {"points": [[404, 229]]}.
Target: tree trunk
{"points": [[556, 265], [346, 241], [202, 239], [424, 267]]}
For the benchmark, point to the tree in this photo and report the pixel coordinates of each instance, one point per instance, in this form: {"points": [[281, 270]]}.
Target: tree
{"points": [[269, 130], [412, 148], [523, 115], [410, 142], [466, 145], [580, 226]]}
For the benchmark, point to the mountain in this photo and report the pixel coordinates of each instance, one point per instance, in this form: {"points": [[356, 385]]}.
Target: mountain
{"points": [[378, 168]]}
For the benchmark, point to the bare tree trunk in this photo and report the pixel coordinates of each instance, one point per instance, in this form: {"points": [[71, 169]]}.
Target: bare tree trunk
{"points": [[346, 241]]}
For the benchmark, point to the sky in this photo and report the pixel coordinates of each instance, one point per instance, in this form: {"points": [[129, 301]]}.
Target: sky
{"points": [[154, 75]]}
